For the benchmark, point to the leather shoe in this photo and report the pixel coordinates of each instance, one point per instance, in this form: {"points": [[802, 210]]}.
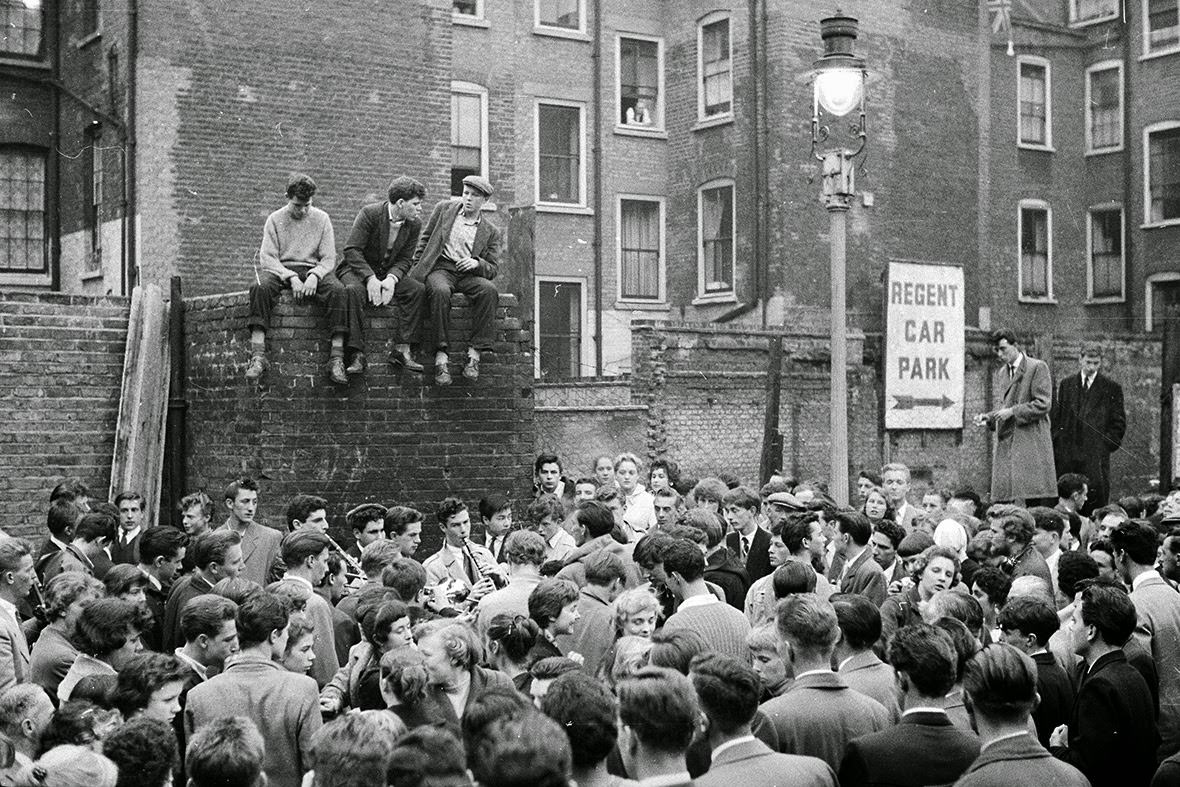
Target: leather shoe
{"points": [[471, 368], [256, 368], [357, 366], [405, 361], [442, 376], [336, 371]]}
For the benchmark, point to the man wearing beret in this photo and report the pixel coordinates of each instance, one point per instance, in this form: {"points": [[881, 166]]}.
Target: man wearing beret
{"points": [[377, 260], [459, 251]]}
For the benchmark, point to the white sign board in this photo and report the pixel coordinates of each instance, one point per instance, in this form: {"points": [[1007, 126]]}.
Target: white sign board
{"points": [[924, 346]]}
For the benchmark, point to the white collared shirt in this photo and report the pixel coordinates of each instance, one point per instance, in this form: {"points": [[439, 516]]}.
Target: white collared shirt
{"points": [[1151, 573], [666, 779], [702, 600], [152, 580], [1002, 738], [730, 744], [125, 536], [61, 544], [9, 609], [196, 666], [923, 709], [814, 672]]}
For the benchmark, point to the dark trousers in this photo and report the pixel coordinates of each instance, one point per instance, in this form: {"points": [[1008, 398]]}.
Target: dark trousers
{"points": [[408, 297], [329, 293], [484, 299]]}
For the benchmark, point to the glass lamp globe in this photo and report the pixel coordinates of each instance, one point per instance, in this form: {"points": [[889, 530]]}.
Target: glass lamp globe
{"points": [[839, 90]]}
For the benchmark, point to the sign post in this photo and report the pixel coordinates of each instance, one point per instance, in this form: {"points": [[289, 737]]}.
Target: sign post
{"points": [[925, 346]]}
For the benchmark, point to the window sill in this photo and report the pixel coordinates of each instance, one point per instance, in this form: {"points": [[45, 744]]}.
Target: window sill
{"points": [[1092, 22], [1038, 148], [1151, 225], [1104, 151], [87, 40], [1105, 301], [577, 210], [641, 131], [641, 306], [1046, 301], [713, 122], [561, 32], [15, 279], [90, 276], [715, 299], [1172, 50], [18, 62], [466, 20]]}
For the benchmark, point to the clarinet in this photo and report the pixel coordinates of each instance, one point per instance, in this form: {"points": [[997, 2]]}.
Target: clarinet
{"points": [[484, 573]]}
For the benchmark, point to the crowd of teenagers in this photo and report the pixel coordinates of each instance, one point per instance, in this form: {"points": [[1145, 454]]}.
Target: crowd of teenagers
{"points": [[674, 632]]}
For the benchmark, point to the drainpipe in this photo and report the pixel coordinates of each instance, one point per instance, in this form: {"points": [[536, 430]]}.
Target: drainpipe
{"points": [[596, 163], [131, 266], [1128, 180]]}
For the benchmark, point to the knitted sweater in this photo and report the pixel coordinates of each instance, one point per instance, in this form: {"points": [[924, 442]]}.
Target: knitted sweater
{"points": [[723, 628], [305, 242]]}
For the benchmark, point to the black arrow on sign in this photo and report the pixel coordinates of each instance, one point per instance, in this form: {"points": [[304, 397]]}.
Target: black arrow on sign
{"points": [[914, 402]]}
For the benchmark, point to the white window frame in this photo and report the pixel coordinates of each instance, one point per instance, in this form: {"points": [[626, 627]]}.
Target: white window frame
{"points": [[720, 295], [1148, 53], [561, 32], [1034, 60], [1038, 204], [471, 20], [661, 202], [35, 279], [1148, 301], [584, 347], [472, 89], [1109, 206], [656, 129], [1105, 65], [1073, 15], [559, 207], [702, 23], [1166, 125]]}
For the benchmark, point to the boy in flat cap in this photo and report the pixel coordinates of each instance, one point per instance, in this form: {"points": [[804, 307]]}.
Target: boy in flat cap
{"points": [[459, 251]]}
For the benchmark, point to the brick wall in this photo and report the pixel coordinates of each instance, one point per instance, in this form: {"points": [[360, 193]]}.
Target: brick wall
{"points": [[697, 395], [61, 368], [388, 437]]}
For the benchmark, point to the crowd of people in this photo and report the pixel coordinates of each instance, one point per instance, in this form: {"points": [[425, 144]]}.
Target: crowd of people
{"points": [[637, 627]]}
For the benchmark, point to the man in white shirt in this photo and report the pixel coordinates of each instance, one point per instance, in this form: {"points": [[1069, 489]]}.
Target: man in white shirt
{"points": [[1050, 527], [125, 548], [895, 479], [459, 561]]}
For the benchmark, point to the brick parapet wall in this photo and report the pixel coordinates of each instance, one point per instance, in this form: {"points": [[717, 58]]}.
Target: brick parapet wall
{"points": [[390, 436], [61, 368]]}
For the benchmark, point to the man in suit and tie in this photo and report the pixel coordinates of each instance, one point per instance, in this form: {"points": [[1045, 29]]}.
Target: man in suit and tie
{"points": [[16, 580], [458, 559], [1088, 422], [657, 720], [925, 748], [895, 480], [459, 251], [260, 544], [749, 542], [859, 573], [1022, 466], [367, 523], [728, 692], [1157, 607], [377, 261], [125, 547]]}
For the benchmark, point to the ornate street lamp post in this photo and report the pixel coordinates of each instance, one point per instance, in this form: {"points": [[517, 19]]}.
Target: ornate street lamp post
{"points": [[838, 82]]}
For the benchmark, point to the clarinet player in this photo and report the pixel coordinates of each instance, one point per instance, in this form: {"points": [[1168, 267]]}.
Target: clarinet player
{"points": [[459, 561]]}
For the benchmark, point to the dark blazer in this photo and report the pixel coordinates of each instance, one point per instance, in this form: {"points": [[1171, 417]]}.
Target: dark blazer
{"points": [[1087, 427], [924, 749], [187, 587], [153, 635], [725, 570], [754, 764], [866, 578], [368, 252], [758, 560], [433, 241], [1112, 732], [1020, 762], [1057, 696], [128, 554], [48, 550]]}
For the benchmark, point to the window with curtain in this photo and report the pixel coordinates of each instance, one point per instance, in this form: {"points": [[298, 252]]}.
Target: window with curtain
{"points": [[559, 329], [1163, 25], [22, 211], [559, 154], [1163, 175], [639, 247], [716, 206], [716, 69], [1034, 109], [1034, 253], [560, 13], [1106, 253], [639, 83], [467, 142], [1105, 110], [22, 24], [1082, 11]]}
